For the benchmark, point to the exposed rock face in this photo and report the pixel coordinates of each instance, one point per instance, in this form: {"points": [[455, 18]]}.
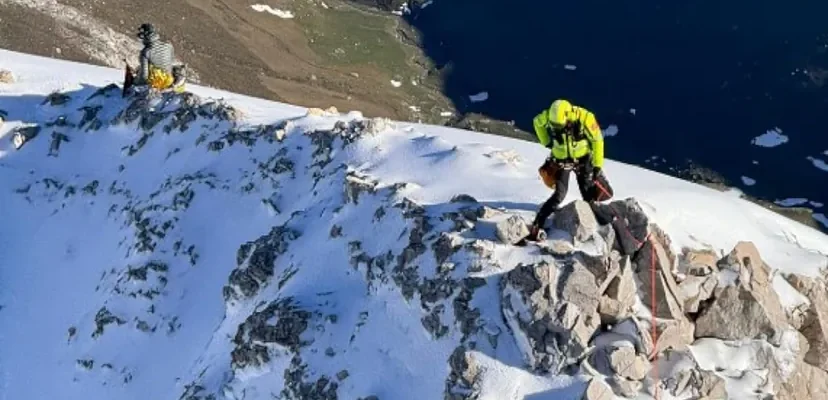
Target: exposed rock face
{"points": [[621, 361], [683, 378], [625, 387], [356, 185], [256, 262], [597, 389], [754, 274], [815, 323], [554, 309], [512, 229], [6, 76], [806, 382], [738, 313], [654, 259], [620, 294], [462, 381], [698, 262], [695, 289], [577, 219], [280, 324], [750, 310]]}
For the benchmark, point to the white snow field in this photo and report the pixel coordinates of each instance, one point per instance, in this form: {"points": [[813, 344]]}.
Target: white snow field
{"points": [[130, 257]]}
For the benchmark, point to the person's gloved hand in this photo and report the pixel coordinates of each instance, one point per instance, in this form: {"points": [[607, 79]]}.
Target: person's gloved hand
{"points": [[596, 172]]}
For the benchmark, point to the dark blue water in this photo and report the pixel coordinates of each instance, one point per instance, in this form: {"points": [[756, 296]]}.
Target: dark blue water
{"points": [[705, 77]]}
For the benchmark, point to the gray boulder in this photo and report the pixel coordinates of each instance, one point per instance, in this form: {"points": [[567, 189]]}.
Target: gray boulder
{"points": [[577, 219], [511, 230], [738, 313], [553, 310]]}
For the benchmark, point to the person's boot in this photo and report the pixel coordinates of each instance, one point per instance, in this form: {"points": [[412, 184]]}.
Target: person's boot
{"points": [[536, 233], [179, 73]]}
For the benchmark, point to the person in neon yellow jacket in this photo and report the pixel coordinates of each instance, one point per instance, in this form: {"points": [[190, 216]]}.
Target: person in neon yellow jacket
{"points": [[574, 137]]}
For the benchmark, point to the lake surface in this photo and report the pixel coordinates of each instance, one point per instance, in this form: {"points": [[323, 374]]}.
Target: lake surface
{"points": [[703, 78]]}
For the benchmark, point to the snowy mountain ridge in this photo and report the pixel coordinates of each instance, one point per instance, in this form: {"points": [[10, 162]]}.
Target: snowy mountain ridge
{"points": [[179, 246]]}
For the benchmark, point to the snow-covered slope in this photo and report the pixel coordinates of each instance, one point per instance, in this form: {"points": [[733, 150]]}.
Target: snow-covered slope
{"points": [[261, 250]]}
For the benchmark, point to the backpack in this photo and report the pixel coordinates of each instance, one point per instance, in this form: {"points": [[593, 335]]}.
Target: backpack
{"points": [[158, 78]]}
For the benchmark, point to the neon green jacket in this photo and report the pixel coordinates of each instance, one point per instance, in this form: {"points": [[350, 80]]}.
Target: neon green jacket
{"points": [[568, 148]]}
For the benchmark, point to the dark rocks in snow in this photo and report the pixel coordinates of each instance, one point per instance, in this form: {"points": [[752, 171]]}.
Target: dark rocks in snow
{"points": [[353, 130], [464, 315], [322, 141], [342, 375], [444, 248], [405, 273], [256, 262], [23, 134], [336, 231], [281, 323], [106, 91], [463, 198], [296, 386], [436, 289], [87, 364], [57, 139], [140, 273], [194, 391], [553, 309], [143, 326], [56, 99], [103, 318], [60, 122], [432, 323], [91, 188], [463, 379], [356, 184]]}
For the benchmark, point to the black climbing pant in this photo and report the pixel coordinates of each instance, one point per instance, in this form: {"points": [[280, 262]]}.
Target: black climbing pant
{"points": [[583, 170]]}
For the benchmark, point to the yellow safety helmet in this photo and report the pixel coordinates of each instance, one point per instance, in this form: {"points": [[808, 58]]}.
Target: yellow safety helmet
{"points": [[559, 112]]}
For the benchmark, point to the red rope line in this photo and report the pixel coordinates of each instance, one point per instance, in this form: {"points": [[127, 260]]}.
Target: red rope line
{"points": [[653, 275], [654, 370]]}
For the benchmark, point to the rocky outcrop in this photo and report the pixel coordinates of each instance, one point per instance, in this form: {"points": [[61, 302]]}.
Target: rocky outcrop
{"points": [[463, 379], [619, 291], [747, 311], [739, 313], [356, 184], [654, 266], [694, 290], [6, 76], [806, 382], [511, 229], [256, 262], [576, 219], [554, 308], [597, 389], [698, 262], [815, 320], [280, 324], [551, 307]]}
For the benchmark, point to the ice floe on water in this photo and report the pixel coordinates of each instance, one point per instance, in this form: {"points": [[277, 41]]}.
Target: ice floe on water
{"points": [[771, 138], [482, 96], [819, 163], [791, 202]]}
